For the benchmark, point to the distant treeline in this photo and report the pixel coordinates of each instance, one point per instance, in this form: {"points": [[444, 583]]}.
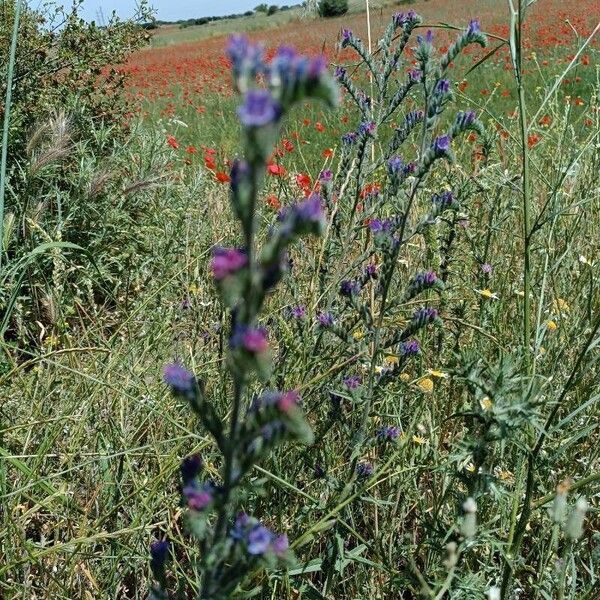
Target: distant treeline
{"points": [[268, 9]]}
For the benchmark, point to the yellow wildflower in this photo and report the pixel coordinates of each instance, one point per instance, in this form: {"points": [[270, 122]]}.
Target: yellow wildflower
{"points": [[391, 360], [426, 385], [470, 467], [404, 377], [438, 374], [551, 325], [417, 439], [359, 334], [487, 294]]}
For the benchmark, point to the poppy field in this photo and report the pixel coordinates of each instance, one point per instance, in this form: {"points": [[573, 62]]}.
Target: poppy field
{"points": [[333, 329]]}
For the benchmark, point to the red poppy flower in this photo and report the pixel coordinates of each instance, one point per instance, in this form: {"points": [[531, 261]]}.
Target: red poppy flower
{"points": [[273, 201], [303, 180], [319, 127], [585, 60], [545, 120], [533, 139], [288, 145], [306, 122], [276, 170], [462, 86], [172, 141], [222, 177], [327, 153], [191, 150], [210, 163]]}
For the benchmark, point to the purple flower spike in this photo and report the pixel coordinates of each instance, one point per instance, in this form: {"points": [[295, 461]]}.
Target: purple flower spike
{"points": [[259, 109], [395, 165], [339, 72], [388, 434], [349, 138], [349, 288], [444, 200], [410, 348], [311, 210], [317, 66], [259, 540], [367, 128], [443, 86], [298, 312], [190, 467], [346, 35], [427, 39], [255, 340], [425, 315], [197, 499], [364, 470], [280, 544], [325, 319], [326, 176], [159, 551], [371, 270], [441, 145], [474, 27], [486, 268], [352, 382], [179, 379], [415, 75], [227, 261]]}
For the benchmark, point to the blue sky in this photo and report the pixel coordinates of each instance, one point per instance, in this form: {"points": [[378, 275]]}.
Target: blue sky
{"points": [[172, 10]]}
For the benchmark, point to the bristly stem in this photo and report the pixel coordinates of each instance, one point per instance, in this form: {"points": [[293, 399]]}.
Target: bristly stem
{"points": [[7, 107], [517, 19]]}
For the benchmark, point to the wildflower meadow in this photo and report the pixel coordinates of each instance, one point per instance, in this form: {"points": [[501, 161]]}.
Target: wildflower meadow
{"points": [[297, 306]]}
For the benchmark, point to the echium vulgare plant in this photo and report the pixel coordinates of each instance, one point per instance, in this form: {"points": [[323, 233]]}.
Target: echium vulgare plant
{"points": [[380, 219], [234, 544]]}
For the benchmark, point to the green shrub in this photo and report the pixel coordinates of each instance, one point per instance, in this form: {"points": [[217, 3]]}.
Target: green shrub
{"points": [[67, 130], [333, 8]]}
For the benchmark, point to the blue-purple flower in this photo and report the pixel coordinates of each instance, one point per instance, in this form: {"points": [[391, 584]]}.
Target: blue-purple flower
{"points": [[367, 128], [443, 86], [474, 27], [190, 467], [348, 139], [198, 499], [346, 35], [179, 379], [364, 469], [352, 382], [259, 109], [298, 312], [325, 319], [326, 176], [159, 551], [388, 433], [227, 261], [410, 348], [349, 287], [259, 540], [441, 145]]}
